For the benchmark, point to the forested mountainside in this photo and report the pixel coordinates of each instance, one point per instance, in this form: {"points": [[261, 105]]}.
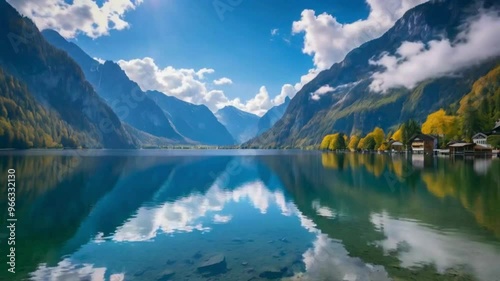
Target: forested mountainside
{"points": [[55, 82], [24, 123], [351, 106]]}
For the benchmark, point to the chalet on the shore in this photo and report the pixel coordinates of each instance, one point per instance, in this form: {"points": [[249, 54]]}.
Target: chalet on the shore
{"points": [[396, 146], [422, 143], [482, 137], [466, 148], [461, 148]]}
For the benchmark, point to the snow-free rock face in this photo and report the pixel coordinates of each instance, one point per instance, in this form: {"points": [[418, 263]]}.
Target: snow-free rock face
{"points": [[352, 107]]}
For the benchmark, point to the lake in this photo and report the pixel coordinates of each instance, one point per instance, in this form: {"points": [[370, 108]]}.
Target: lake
{"points": [[251, 215]]}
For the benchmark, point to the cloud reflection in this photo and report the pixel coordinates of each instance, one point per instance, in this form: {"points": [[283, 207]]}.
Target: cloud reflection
{"points": [[66, 270], [193, 212], [418, 244]]}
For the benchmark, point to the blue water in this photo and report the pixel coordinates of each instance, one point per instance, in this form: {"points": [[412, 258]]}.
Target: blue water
{"points": [[289, 215]]}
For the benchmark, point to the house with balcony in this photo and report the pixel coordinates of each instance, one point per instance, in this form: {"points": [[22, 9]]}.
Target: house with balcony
{"points": [[423, 144]]}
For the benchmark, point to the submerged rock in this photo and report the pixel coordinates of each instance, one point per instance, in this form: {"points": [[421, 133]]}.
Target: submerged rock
{"points": [[166, 275], [284, 240], [140, 272], [215, 264], [197, 255], [274, 273]]}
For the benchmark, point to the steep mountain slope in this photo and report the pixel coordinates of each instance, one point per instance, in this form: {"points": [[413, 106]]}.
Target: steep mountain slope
{"points": [[240, 124], [24, 123], [351, 107], [484, 97], [56, 82], [124, 96], [272, 116], [195, 122]]}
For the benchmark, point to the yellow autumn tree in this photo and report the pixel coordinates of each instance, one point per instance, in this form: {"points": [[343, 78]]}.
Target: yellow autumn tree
{"points": [[337, 142], [378, 135], [438, 123], [353, 142], [325, 143], [398, 135]]}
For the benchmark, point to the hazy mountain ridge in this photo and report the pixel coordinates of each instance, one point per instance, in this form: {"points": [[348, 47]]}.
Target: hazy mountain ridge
{"points": [[272, 116], [240, 124], [356, 109], [195, 122]]}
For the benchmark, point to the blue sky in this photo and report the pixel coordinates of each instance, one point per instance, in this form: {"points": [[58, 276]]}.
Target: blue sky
{"points": [[265, 49], [190, 34]]}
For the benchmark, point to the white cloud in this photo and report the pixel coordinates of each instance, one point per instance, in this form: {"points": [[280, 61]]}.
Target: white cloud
{"points": [[221, 219], [321, 91], [274, 31], [201, 73], [287, 90], [189, 85], [99, 60], [223, 81], [329, 40], [79, 16], [415, 62]]}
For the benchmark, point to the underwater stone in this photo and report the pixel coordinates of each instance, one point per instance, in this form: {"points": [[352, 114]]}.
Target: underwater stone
{"points": [[216, 264], [274, 273], [166, 275]]}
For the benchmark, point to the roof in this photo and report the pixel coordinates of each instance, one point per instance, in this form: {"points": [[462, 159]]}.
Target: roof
{"points": [[479, 135], [481, 147], [461, 144], [497, 126], [396, 143], [422, 137]]}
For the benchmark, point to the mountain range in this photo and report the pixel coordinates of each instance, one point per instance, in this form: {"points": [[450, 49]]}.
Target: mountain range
{"points": [[162, 115], [53, 94], [154, 112], [349, 104]]}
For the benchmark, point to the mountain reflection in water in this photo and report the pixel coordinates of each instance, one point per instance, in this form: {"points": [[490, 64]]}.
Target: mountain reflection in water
{"points": [[297, 215]]}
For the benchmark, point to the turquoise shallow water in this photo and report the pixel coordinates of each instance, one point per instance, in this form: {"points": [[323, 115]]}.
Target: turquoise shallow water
{"points": [[253, 215]]}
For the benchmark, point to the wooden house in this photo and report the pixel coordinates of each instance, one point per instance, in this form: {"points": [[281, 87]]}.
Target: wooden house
{"points": [[425, 144]]}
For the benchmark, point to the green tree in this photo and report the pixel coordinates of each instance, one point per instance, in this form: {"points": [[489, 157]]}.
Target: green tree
{"points": [[470, 121], [494, 141], [409, 129]]}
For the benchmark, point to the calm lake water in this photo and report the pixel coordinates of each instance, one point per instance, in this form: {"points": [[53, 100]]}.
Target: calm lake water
{"points": [[252, 215]]}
